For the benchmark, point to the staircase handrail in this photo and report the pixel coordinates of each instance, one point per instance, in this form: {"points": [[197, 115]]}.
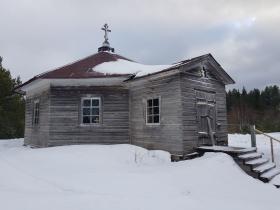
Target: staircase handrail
{"points": [[260, 132], [253, 140]]}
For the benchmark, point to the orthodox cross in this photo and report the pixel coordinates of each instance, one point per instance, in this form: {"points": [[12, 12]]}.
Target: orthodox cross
{"points": [[106, 30]]}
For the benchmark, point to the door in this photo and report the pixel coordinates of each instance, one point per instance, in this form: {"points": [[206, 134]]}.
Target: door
{"points": [[206, 117]]}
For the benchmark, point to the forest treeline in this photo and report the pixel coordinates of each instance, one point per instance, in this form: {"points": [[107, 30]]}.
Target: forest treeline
{"points": [[258, 107], [11, 106]]}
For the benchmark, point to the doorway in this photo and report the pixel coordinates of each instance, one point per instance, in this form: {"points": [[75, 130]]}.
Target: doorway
{"points": [[206, 117]]}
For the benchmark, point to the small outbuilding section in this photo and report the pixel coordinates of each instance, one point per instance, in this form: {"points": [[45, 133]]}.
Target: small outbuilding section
{"points": [[106, 98]]}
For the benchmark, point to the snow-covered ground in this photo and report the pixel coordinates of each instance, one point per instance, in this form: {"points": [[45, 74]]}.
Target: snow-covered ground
{"points": [[124, 177]]}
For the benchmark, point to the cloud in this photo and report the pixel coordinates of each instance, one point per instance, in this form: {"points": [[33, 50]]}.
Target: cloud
{"points": [[243, 35]]}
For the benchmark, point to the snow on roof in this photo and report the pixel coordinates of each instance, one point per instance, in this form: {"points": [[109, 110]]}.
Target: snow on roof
{"points": [[121, 66]]}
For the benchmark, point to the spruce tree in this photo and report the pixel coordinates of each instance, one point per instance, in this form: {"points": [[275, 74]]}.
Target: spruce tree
{"points": [[11, 106]]}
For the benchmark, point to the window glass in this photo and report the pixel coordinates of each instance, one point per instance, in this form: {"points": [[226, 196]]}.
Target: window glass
{"points": [[156, 118], [95, 119], [95, 102], [156, 110], [86, 102], [95, 111], [86, 111], [155, 102], [86, 119]]}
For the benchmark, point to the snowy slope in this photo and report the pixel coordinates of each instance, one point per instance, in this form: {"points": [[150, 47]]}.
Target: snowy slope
{"points": [[124, 177]]}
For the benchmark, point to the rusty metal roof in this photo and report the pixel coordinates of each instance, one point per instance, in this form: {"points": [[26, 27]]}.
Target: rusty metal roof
{"points": [[80, 69], [83, 68]]}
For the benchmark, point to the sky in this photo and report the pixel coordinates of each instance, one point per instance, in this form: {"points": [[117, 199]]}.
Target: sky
{"points": [[243, 36]]}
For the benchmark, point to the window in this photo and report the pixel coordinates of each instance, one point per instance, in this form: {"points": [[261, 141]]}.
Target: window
{"points": [[153, 111], [36, 112], [91, 110]]}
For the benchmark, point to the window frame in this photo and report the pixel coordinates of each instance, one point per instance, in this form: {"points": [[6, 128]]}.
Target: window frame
{"points": [[36, 113], [159, 113], [90, 107]]}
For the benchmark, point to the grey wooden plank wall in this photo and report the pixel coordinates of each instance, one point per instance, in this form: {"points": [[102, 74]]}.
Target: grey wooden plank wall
{"points": [[168, 135], [65, 112], [37, 135], [190, 83], [178, 129]]}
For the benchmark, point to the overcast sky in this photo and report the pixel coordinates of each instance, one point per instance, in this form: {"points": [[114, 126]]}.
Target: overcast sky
{"points": [[243, 35]]}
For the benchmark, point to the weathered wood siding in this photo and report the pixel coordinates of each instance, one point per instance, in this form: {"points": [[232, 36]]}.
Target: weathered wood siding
{"points": [[190, 83], [168, 135], [37, 135], [65, 113], [178, 129]]}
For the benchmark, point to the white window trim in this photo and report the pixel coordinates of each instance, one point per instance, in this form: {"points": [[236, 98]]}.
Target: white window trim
{"points": [[159, 105], [37, 101], [82, 115]]}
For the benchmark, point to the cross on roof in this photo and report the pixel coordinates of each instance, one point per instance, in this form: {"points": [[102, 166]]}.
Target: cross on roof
{"points": [[106, 30], [106, 45]]}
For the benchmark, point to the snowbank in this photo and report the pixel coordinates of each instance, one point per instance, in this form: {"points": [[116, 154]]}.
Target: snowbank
{"points": [[124, 177]]}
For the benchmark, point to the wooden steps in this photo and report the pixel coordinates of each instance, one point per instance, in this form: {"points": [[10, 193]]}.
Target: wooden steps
{"points": [[252, 162], [257, 162], [249, 156], [267, 176], [265, 167], [246, 150]]}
